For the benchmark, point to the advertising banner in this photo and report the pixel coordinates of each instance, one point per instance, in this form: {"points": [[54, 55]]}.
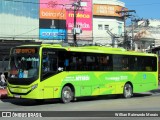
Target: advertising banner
{"points": [[83, 20], [52, 24], [53, 34], [52, 14], [107, 10], [59, 14]]}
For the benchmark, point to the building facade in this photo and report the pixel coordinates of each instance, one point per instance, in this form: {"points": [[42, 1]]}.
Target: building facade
{"points": [[108, 24], [145, 34], [45, 20]]}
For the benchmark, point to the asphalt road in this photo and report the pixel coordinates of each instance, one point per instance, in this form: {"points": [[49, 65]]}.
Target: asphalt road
{"points": [[142, 102]]}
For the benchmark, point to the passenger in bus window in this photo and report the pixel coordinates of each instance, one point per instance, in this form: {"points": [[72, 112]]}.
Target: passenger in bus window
{"points": [[13, 71], [79, 64], [103, 60], [20, 64], [45, 67], [44, 64], [148, 68], [66, 63], [124, 65], [32, 72]]}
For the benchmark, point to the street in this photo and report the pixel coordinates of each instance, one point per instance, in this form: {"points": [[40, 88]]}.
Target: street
{"points": [[140, 102]]}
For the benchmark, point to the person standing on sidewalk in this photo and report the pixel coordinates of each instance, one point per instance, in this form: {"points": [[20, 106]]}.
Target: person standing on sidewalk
{"points": [[3, 80]]}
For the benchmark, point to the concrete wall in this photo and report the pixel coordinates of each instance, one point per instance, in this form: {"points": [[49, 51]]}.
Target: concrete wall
{"points": [[19, 20], [101, 36], [18, 27]]}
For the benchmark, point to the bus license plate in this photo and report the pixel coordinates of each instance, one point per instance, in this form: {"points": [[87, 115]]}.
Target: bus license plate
{"points": [[17, 96]]}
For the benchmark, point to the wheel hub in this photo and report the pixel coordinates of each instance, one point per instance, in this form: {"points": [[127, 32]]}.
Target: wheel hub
{"points": [[128, 91], [67, 94]]}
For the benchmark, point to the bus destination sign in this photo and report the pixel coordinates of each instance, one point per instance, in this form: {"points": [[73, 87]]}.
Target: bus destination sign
{"points": [[25, 50]]}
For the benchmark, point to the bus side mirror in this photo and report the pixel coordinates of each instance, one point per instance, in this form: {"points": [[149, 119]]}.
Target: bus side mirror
{"points": [[60, 69]]}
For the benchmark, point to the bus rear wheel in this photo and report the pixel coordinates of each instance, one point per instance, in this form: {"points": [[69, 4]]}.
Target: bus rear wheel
{"points": [[67, 94], [127, 91]]}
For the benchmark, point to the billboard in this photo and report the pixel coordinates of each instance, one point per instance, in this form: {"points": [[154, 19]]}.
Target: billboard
{"points": [[107, 10], [53, 34], [56, 19]]}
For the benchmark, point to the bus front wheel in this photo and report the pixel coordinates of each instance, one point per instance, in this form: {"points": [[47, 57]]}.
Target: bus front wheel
{"points": [[67, 94], [127, 91]]}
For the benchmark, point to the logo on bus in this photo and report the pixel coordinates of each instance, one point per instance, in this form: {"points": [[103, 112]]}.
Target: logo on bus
{"points": [[82, 78], [77, 78], [117, 78]]}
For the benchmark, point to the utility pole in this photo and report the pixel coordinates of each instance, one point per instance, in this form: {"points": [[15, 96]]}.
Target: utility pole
{"points": [[125, 15], [133, 21], [132, 35], [76, 6], [76, 28], [145, 21]]}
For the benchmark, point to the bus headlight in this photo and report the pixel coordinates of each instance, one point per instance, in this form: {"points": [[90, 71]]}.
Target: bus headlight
{"points": [[34, 86]]}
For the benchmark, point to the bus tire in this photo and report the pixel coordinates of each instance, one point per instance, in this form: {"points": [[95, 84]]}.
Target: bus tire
{"points": [[67, 94], [127, 91]]}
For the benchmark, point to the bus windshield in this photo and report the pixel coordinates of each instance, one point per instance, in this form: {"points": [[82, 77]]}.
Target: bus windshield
{"points": [[24, 66]]}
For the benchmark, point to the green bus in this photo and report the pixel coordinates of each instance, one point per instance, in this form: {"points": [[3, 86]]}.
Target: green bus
{"points": [[49, 71]]}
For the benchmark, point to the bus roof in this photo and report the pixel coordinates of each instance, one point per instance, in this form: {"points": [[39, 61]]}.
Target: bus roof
{"points": [[94, 49]]}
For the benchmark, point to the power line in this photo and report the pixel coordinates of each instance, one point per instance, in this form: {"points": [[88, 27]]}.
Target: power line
{"points": [[147, 4], [19, 1], [27, 31]]}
